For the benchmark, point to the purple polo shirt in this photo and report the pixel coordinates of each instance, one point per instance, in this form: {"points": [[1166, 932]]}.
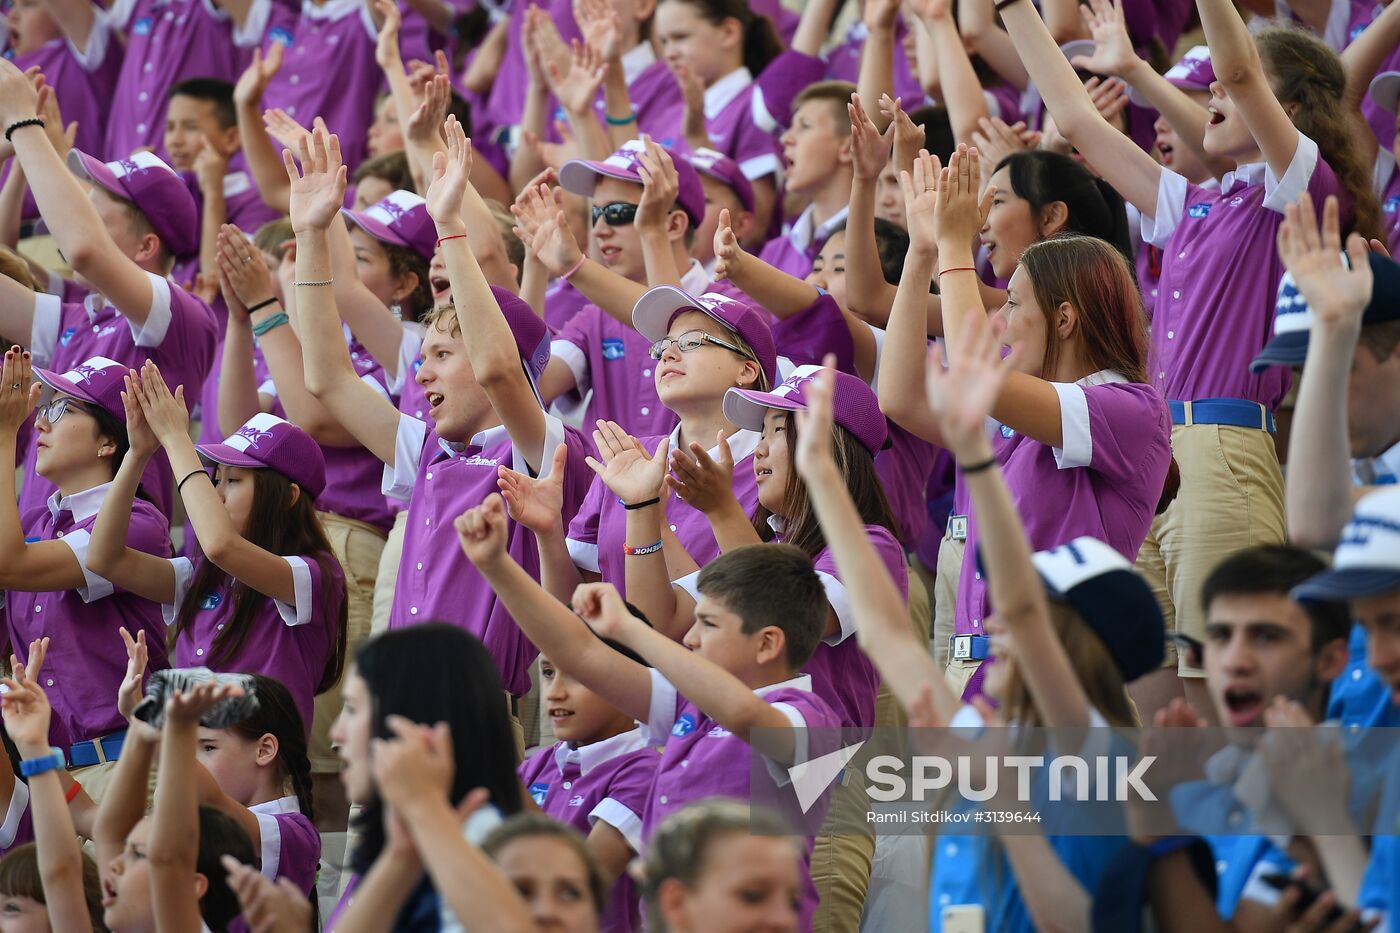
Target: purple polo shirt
{"points": [[652, 89], [167, 41], [82, 673], [608, 781], [328, 68], [612, 359], [18, 827], [291, 846], [729, 120], [794, 251], [1388, 187], [244, 207], [179, 336], [703, 759], [599, 530], [1104, 482], [441, 480], [561, 302], [1220, 269], [904, 468], [288, 642], [806, 337], [1345, 20]]}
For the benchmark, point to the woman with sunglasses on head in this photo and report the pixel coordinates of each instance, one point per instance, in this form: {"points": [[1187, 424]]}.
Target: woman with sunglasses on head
{"points": [[81, 437], [702, 347]]}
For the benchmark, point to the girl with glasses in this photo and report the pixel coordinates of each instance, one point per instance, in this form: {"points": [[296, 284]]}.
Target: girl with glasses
{"points": [[81, 436]]}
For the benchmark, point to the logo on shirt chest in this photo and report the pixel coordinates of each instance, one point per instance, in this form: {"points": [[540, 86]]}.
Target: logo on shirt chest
{"points": [[67, 336], [718, 732], [684, 726], [210, 601], [538, 792], [142, 26], [1198, 210], [479, 460], [1392, 204], [576, 800], [613, 348], [279, 34]]}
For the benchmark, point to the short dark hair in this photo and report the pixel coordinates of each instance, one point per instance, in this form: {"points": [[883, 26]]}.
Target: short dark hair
{"points": [[1275, 569], [215, 91], [837, 94], [1381, 339], [891, 245], [938, 130], [771, 584], [391, 167]]}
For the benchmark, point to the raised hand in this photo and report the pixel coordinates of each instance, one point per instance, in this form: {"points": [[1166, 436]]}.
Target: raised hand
{"points": [[576, 88], [729, 254], [814, 426], [536, 503], [143, 441], [881, 14], [282, 127], [451, 174], [1113, 49], [601, 606], [165, 413], [242, 265], [1178, 714], [1110, 96], [386, 48], [705, 483], [252, 84], [1336, 295], [188, 707], [995, 140], [909, 137], [415, 766], [60, 136], [19, 96], [693, 91], [268, 906], [318, 190], [601, 27], [26, 709], [133, 682], [920, 189], [482, 531], [962, 397], [627, 469], [960, 214], [544, 37], [661, 184], [426, 122], [542, 227], [870, 149], [19, 393]]}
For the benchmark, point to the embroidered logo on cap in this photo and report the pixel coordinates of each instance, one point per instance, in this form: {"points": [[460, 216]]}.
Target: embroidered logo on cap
{"points": [[395, 207], [138, 162], [94, 369], [258, 429]]}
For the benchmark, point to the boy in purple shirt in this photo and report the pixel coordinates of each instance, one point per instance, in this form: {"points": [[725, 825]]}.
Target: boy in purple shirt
{"points": [[817, 153], [484, 405], [735, 682], [596, 778], [122, 240]]}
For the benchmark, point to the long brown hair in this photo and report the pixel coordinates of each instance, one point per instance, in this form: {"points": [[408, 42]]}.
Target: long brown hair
{"points": [[857, 468], [1094, 277], [1093, 666], [1306, 72], [281, 526]]}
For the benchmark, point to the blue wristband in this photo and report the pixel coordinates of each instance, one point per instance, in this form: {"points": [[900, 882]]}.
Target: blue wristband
{"points": [[50, 762]]}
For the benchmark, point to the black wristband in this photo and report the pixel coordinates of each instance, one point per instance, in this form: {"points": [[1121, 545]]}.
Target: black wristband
{"points": [[263, 304], [19, 124], [977, 467], [188, 476], [631, 506]]}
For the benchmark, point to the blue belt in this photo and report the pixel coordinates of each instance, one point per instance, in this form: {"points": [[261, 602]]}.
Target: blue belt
{"points": [[97, 751], [970, 647], [1231, 411]]}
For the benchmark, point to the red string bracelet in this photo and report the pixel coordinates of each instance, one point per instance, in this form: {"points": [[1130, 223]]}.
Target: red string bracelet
{"points": [[958, 269], [73, 791], [455, 236]]}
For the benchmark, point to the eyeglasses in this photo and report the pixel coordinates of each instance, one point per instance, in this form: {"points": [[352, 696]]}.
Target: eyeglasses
{"points": [[693, 340], [55, 410], [616, 214]]}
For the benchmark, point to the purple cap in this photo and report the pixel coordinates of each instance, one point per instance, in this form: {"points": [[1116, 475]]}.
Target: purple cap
{"points": [[401, 219], [1192, 73], [580, 176], [267, 442], [726, 171], [778, 85], [658, 308], [854, 406], [1385, 90], [153, 187], [532, 336], [97, 381]]}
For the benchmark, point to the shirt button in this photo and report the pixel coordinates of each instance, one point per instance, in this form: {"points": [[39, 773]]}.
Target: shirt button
{"points": [[1356, 674], [427, 521], [220, 626], [646, 372], [148, 67], [1161, 375], [1221, 866], [60, 534], [646, 410], [49, 682], [413, 610], [38, 608], [1154, 293], [143, 96], [292, 110], [430, 475], [1171, 334], [944, 900], [673, 527], [663, 799], [685, 763], [979, 574], [295, 79], [1181, 255], [95, 328], [1176, 293], [199, 652], [140, 127], [420, 565], [568, 785]]}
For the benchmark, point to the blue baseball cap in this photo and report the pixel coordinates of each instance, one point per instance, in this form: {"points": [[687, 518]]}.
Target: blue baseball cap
{"points": [[1293, 319], [1367, 559]]}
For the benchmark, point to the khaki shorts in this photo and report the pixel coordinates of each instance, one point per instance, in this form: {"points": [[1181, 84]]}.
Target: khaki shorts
{"points": [[945, 596], [1231, 498], [357, 546]]}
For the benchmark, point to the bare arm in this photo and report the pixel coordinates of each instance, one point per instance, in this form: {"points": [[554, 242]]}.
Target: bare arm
{"points": [[12, 204], [1053, 896], [869, 295], [264, 161], [1063, 20], [977, 23], [902, 364], [814, 26], [961, 91], [238, 389], [76, 18], [876, 77]]}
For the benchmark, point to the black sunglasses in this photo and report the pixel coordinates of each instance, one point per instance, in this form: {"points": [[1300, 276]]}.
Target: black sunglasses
{"points": [[616, 214]]}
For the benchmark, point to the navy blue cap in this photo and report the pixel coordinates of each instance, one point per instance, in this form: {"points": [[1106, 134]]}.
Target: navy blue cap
{"points": [[1293, 318]]}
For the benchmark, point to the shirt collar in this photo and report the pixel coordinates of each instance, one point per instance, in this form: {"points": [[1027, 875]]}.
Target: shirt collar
{"points": [[83, 505], [800, 682], [806, 235], [1251, 173], [742, 443], [719, 94], [696, 280], [481, 440], [1103, 377], [642, 57], [331, 9], [588, 757], [778, 524], [287, 804]]}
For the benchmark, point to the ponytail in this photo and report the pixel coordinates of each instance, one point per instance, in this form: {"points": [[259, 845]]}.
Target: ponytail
{"points": [[277, 715]]}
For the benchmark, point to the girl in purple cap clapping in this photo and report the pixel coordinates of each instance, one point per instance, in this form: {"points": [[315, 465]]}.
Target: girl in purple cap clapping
{"points": [[265, 595]]}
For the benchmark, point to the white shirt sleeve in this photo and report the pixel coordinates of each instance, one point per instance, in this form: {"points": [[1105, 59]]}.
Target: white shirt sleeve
{"points": [[1171, 204], [575, 359], [299, 613], [410, 346], [1077, 443], [270, 833], [152, 332], [779, 772], [761, 166], [250, 34], [43, 331], [1281, 192], [661, 714], [94, 587], [841, 605], [184, 573], [620, 818], [584, 555], [399, 479], [19, 802], [553, 437]]}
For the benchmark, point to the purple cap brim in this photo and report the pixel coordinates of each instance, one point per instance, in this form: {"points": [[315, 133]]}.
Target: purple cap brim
{"points": [[96, 171], [380, 231], [56, 382], [746, 408], [228, 456], [580, 176]]}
